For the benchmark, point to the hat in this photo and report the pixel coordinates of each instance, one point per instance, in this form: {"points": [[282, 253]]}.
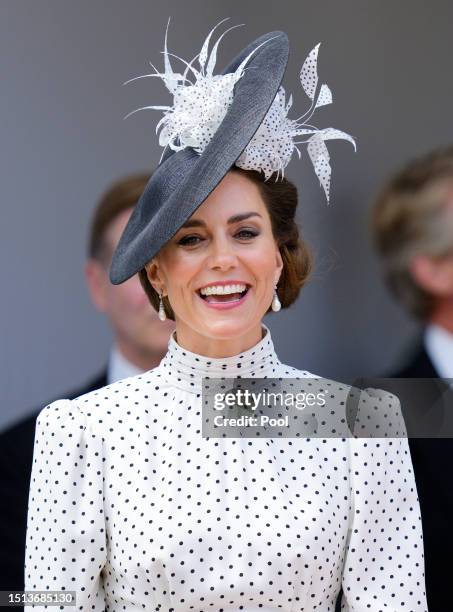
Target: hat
{"points": [[238, 117]]}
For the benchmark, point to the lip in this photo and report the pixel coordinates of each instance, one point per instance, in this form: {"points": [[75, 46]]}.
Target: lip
{"points": [[225, 305]]}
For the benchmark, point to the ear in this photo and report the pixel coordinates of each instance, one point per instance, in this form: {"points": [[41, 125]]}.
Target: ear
{"points": [[97, 282], [155, 276], [279, 265]]}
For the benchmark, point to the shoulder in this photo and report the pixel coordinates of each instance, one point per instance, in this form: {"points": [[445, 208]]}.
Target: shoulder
{"points": [[63, 432], [365, 412], [132, 388], [18, 437], [310, 379], [369, 394], [100, 407], [292, 372], [377, 414], [62, 414]]}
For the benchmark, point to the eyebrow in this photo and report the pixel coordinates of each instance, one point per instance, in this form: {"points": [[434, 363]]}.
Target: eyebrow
{"points": [[233, 219]]}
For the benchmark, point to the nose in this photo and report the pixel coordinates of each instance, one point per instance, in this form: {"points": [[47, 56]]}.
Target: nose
{"points": [[223, 255]]}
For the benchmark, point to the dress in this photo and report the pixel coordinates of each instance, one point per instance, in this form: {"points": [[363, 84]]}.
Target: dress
{"points": [[132, 508]]}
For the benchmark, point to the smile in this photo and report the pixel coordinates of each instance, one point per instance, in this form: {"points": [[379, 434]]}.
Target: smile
{"points": [[223, 297]]}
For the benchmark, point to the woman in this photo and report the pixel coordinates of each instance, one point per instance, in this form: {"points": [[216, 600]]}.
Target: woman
{"points": [[130, 506]]}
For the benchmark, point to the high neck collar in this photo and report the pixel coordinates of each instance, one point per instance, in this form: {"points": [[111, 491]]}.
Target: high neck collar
{"points": [[185, 369]]}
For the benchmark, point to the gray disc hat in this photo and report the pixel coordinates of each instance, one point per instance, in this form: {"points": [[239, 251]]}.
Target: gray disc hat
{"points": [[184, 179]]}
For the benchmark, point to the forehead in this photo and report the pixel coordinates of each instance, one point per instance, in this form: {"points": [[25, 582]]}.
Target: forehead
{"points": [[235, 194]]}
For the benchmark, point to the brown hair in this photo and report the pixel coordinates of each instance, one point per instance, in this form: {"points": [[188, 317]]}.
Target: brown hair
{"points": [[409, 220], [120, 196], [280, 198]]}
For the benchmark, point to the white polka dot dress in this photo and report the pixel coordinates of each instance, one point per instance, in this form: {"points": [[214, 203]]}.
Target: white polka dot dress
{"points": [[134, 510]]}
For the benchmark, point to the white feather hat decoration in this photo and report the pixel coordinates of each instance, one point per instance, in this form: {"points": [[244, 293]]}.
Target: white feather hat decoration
{"points": [[201, 100]]}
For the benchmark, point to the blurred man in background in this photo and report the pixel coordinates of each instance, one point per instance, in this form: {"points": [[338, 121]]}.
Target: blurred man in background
{"points": [[413, 230], [140, 341]]}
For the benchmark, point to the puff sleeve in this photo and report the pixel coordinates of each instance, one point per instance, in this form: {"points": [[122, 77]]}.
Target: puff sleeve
{"points": [[66, 540], [384, 563]]}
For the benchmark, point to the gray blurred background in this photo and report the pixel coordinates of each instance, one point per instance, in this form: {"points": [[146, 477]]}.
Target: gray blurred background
{"points": [[63, 139]]}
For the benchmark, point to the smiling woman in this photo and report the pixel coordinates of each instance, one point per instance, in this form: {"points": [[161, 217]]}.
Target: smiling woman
{"points": [[130, 505], [219, 273]]}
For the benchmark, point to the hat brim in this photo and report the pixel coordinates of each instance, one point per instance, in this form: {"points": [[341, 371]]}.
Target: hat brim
{"points": [[184, 179]]}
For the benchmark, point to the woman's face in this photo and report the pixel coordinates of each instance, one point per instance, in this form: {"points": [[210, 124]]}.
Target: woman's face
{"points": [[227, 245]]}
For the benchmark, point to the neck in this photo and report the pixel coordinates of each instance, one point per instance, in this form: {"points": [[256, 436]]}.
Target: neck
{"points": [[209, 346], [143, 359], [442, 314]]}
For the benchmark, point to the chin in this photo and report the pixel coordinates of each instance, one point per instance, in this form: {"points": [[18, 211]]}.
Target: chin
{"points": [[228, 329]]}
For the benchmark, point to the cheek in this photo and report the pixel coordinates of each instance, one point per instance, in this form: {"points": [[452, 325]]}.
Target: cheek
{"points": [[184, 269], [262, 262]]}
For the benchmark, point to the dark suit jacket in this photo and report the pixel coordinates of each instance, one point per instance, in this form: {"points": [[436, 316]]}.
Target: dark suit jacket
{"points": [[16, 458], [433, 464]]}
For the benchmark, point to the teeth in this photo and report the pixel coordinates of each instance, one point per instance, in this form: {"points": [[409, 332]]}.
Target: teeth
{"points": [[223, 289]]}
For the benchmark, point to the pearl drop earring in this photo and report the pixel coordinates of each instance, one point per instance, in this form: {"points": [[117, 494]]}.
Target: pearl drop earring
{"points": [[276, 304], [162, 313]]}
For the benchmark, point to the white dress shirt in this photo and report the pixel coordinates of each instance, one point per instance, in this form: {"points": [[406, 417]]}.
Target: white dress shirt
{"points": [[439, 346], [119, 367]]}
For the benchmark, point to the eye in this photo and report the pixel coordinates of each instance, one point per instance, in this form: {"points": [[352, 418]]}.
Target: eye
{"points": [[189, 240], [247, 233]]}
